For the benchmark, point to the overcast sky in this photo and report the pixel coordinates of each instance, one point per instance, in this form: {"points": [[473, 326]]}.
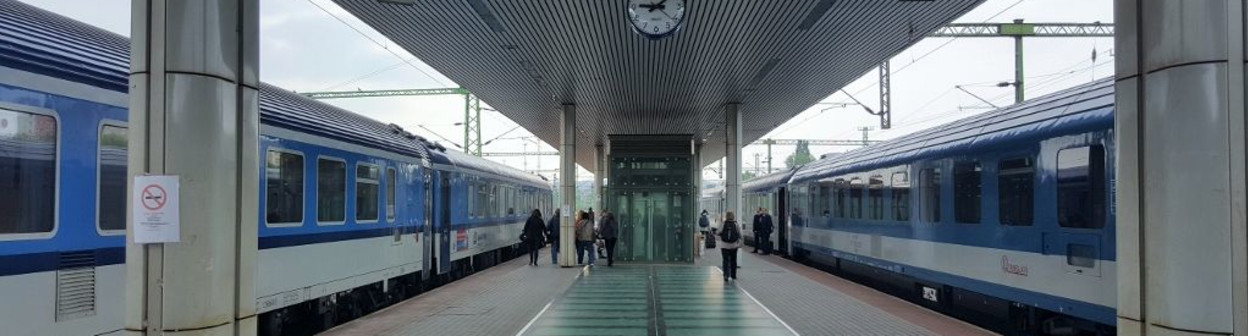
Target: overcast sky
{"points": [[305, 48]]}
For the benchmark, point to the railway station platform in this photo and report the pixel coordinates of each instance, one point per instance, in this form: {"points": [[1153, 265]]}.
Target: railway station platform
{"points": [[773, 296]]}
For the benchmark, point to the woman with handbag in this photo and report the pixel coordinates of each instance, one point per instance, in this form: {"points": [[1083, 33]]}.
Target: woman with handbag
{"points": [[534, 234]]}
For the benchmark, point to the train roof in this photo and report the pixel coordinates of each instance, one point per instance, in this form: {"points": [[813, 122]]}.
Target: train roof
{"points": [[769, 181], [39, 41], [1078, 109], [463, 161]]}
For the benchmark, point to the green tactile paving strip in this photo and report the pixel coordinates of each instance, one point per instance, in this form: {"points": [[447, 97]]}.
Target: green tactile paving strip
{"points": [[655, 300]]}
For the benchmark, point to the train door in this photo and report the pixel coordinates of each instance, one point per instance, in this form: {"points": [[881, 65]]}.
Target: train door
{"points": [[782, 221], [444, 224], [1082, 205], [425, 233]]}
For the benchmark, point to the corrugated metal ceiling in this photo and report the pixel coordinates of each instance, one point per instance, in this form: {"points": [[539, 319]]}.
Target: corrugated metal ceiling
{"points": [[528, 57]]}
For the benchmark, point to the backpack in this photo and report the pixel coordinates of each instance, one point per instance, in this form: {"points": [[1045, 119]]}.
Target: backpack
{"points": [[730, 234]]}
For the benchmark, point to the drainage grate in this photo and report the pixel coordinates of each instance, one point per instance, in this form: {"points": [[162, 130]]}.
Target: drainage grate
{"points": [[75, 286]]}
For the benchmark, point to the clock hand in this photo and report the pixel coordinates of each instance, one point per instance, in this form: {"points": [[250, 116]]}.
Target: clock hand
{"points": [[658, 5]]}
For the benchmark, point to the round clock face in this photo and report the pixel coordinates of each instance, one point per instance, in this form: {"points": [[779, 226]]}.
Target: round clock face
{"points": [[656, 18]]}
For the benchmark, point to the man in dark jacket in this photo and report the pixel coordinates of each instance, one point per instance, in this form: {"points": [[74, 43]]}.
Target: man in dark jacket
{"points": [[768, 226], [704, 225], [757, 226], [552, 234], [609, 231]]}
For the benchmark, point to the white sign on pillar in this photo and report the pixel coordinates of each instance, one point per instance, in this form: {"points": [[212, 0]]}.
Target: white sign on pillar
{"points": [[155, 206]]}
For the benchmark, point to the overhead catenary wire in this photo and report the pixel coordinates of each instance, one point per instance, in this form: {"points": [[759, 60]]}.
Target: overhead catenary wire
{"points": [[379, 44], [366, 76]]}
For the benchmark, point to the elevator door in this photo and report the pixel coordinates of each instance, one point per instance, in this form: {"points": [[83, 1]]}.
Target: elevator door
{"points": [[654, 226]]}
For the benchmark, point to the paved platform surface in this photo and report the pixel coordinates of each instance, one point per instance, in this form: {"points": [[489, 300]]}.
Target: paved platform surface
{"points": [[497, 301], [514, 299], [655, 300], [814, 302]]}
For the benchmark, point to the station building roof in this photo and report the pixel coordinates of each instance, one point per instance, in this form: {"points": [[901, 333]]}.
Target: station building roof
{"points": [[776, 58]]}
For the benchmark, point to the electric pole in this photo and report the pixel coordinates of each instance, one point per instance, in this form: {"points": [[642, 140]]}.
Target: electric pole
{"points": [[1018, 30], [866, 140], [472, 108]]}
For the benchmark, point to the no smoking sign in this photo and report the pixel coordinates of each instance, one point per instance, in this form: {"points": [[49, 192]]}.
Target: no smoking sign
{"points": [[155, 206]]}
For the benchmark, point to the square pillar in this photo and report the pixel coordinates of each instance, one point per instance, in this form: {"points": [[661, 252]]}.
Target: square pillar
{"points": [[194, 113], [732, 160], [567, 187], [600, 175]]}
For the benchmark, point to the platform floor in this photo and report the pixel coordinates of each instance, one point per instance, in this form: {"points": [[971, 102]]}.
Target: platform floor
{"points": [[773, 296]]}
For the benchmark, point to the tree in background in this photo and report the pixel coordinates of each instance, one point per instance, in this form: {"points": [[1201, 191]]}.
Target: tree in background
{"points": [[801, 156], [748, 175]]}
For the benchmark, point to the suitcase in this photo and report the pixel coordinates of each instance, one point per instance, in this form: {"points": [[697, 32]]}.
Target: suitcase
{"points": [[710, 242]]}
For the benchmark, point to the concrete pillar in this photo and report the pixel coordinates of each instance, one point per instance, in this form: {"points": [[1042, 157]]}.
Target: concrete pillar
{"points": [[1181, 237], [732, 160], [697, 196], [600, 174], [194, 113], [567, 187]]}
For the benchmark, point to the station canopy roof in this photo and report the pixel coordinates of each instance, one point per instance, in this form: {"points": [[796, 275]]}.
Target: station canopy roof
{"points": [[775, 57]]}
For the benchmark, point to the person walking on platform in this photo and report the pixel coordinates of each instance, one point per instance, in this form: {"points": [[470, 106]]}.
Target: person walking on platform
{"points": [[704, 225], [766, 230], [584, 238], [730, 241], [534, 234], [609, 234], [552, 234]]}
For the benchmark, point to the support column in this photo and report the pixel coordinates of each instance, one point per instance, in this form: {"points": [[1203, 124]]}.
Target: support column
{"points": [[697, 196], [194, 114], [1182, 265], [567, 187], [1018, 68], [732, 160], [600, 174]]}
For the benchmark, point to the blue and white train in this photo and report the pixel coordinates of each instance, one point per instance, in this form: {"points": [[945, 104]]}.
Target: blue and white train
{"points": [[354, 214], [1004, 219]]}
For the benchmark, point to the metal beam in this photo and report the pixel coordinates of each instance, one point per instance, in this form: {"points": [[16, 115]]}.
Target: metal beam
{"points": [[472, 108], [1020, 29], [793, 142], [886, 96], [384, 93], [520, 154]]}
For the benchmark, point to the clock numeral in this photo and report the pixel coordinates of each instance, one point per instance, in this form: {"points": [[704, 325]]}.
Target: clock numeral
{"points": [[656, 29]]}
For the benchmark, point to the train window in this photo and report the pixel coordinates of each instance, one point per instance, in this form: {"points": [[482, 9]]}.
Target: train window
{"points": [[27, 172], [331, 190], [1081, 255], [825, 197], [929, 198], [841, 188], [367, 192], [283, 200], [472, 202], [855, 198], [901, 196], [1081, 187], [875, 198], [511, 201], [391, 187], [967, 191], [114, 149], [1015, 181]]}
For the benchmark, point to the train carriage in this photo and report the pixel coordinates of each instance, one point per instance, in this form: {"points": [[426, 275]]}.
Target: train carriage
{"points": [[347, 217], [1004, 218]]}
